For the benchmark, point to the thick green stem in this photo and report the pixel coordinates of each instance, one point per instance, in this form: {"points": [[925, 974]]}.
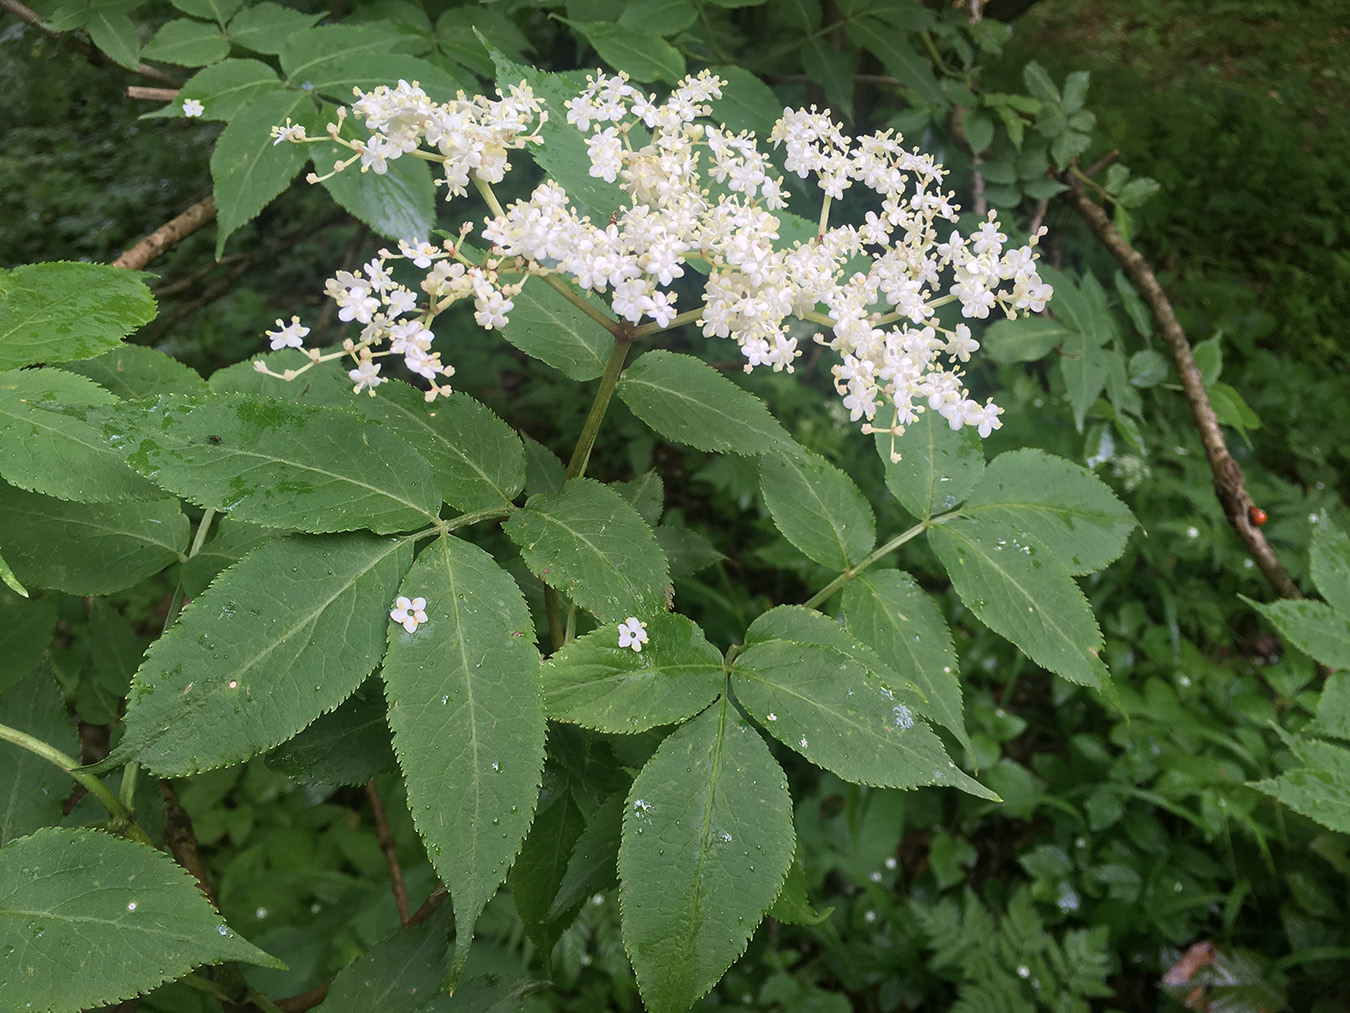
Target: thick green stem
{"points": [[57, 758], [823, 595]]}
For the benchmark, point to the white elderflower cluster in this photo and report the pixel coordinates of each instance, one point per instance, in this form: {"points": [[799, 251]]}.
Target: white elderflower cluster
{"points": [[696, 192]]}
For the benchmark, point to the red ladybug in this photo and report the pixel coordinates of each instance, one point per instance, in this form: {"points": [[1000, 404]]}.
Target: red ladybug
{"points": [[1257, 516]]}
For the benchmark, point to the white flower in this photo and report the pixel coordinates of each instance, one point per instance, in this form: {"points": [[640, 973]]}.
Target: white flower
{"points": [[633, 634], [410, 613], [366, 375], [192, 108], [290, 132], [290, 335]]}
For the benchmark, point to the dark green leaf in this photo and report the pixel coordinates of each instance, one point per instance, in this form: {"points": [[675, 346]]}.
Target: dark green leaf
{"points": [[658, 17], [899, 57], [540, 868], [643, 55], [334, 59], [134, 371], [284, 635], [32, 788], [687, 550], [1315, 628], [833, 70], [1025, 339], [188, 43], [114, 34], [94, 919], [468, 721], [26, 628], [1330, 564], [593, 865], [265, 27], [62, 311], [209, 10], [747, 103], [348, 746], [707, 841], [398, 974]]}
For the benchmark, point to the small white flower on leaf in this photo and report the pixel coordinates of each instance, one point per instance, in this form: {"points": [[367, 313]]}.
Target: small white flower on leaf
{"points": [[192, 108], [633, 634], [411, 613]]}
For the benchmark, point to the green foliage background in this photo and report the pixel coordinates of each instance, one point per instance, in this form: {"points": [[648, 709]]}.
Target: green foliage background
{"points": [[1126, 834]]}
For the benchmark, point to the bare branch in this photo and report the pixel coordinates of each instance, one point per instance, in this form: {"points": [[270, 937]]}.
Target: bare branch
{"points": [[390, 848], [167, 234]]}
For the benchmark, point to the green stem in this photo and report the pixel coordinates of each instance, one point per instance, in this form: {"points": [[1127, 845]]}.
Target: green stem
{"points": [[580, 302], [823, 595], [485, 191], [581, 454], [679, 320], [202, 528], [464, 520], [57, 758]]}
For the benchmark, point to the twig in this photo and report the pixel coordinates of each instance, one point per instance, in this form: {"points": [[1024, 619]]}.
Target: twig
{"points": [[167, 234], [305, 1000], [437, 897], [390, 848], [151, 94], [1229, 481], [181, 840], [86, 49]]}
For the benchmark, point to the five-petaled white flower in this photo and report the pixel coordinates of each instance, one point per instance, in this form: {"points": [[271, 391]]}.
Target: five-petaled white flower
{"points": [[633, 634], [193, 108], [410, 613]]}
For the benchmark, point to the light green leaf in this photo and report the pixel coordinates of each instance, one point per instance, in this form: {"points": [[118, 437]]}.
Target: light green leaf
{"points": [[707, 841], [889, 612], [396, 975], [563, 154], [793, 907], [9, 580], [57, 455], [747, 103], [275, 462], [590, 544], [687, 401], [26, 628], [397, 204], [101, 551], [94, 919], [134, 371], [1062, 505], [113, 32], [1026, 339], [644, 56], [646, 493], [333, 59], [326, 383], [265, 27], [822, 703], [477, 460], [209, 10], [1320, 788], [658, 17], [223, 89], [1329, 561], [899, 57], [284, 635], [832, 69], [468, 722], [1020, 591], [62, 311], [31, 787], [547, 327], [1208, 357], [1039, 83], [188, 43], [594, 682], [543, 471], [1315, 628], [937, 467], [1333, 709], [1082, 309], [247, 168], [818, 508]]}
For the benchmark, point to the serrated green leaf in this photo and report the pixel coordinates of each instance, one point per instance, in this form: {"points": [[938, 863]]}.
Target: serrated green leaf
{"points": [[113, 32], [62, 311], [188, 43], [325, 384], [101, 551], [477, 460], [266, 27], [540, 868], [347, 746], [247, 168], [1320, 789], [937, 468], [707, 841], [687, 401], [282, 636], [334, 59], [818, 508], [274, 462], [593, 864], [1333, 709], [1315, 628], [223, 89], [397, 204], [35, 786], [94, 919], [1062, 505], [1039, 83], [1025, 339], [646, 493], [1329, 561], [26, 627], [1147, 368], [822, 703], [563, 154], [590, 544], [594, 682], [468, 721], [890, 613], [547, 327], [793, 907], [747, 103], [397, 974], [210, 10], [1232, 410], [900, 59], [979, 130], [1020, 591], [1083, 311], [687, 551], [231, 541], [57, 455], [658, 17], [543, 471], [644, 56], [458, 33], [134, 371]]}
